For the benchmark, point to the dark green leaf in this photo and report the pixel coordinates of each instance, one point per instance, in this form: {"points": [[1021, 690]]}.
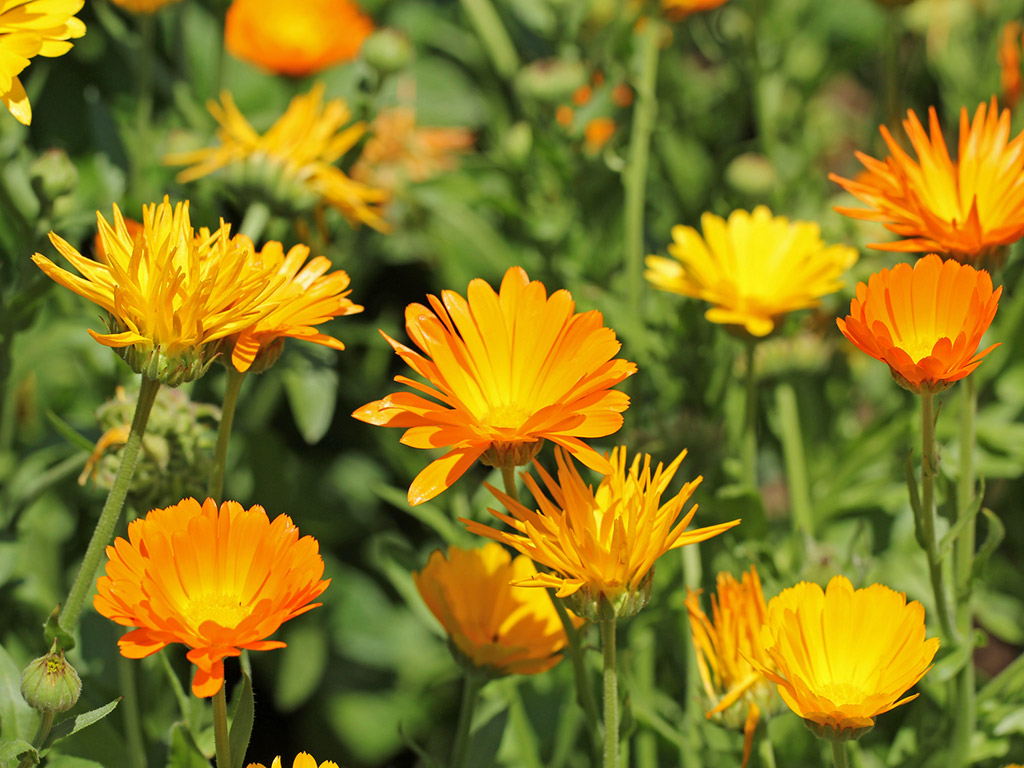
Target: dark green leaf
{"points": [[241, 723], [184, 753], [65, 728], [11, 750]]}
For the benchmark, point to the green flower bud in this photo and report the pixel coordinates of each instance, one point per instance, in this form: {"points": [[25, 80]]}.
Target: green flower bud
{"points": [[600, 607], [551, 80], [387, 50], [50, 683]]}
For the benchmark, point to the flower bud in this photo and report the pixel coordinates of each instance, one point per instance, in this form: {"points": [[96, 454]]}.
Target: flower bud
{"points": [[50, 683], [387, 50], [550, 79], [602, 607]]}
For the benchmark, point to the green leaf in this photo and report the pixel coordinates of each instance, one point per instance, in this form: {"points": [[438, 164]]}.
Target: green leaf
{"points": [[996, 533], [427, 513], [303, 662], [184, 753], [69, 433], [241, 723], [957, 659], [16, 717], [11, 750], [312, 391], [946, 545], [52, 630], [72, 725]]}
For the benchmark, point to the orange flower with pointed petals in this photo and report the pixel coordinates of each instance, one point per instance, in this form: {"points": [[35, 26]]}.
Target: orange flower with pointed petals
{"points": [[843, 656], [601, 545], [494, 626], [925, 322], [509, 370], [302, 760], [215, 580], [968, 210]]}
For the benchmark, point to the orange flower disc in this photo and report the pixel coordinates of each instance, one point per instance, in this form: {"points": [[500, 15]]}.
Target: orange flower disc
{"points": [[510, 370], [216, 581], [925, 322], [968, 210], [295, 38]]}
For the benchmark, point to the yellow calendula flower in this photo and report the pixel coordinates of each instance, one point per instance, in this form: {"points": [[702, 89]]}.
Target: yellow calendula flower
{"points": [[32, 28], [753, 268], [493, 626], [844, 656], [302, 760], [601, 545], [171, 296], [725, 644], [294, 161]]}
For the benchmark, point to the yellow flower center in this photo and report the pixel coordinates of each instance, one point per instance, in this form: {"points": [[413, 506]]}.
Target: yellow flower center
{"points": [[223, 609], [843, 692], [507, 416], [917, 347]]}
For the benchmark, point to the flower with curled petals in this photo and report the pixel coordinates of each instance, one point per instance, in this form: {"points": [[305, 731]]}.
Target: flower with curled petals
{"points": [[968, 210], [600, 545], [925, 322], [218, 581], [843, 656], [493, 625], [509, 370], [302, 760]]}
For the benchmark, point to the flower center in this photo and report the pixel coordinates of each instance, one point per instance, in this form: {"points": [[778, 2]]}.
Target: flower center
{"points": [[507, 416], [843, 693], [223, 609], [918, 348]]}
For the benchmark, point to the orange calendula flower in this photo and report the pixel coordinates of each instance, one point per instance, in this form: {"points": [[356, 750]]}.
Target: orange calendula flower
{"points": [[1010, 64], [601, 545], [753, 268], [509, 370], [597, 133], [967, 210], [215, 580], [925, 322], [725, 644], [31, 28], [171, 296], [294, 160], [305, 296], [142, 6], [843, 656], [302, 760], [677, 10], [493, 625], [296, 38]]}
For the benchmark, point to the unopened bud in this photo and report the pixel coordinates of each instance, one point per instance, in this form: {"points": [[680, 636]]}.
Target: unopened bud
{"points": [[387, 50], [50, 683]]}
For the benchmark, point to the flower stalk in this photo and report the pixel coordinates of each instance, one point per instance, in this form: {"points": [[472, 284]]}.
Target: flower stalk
{"points": [[929, 469], [104, 530], [471, 686], [485, 20], [215, 485], [220, 728], [750, 431], [42, 731], [611, 690], [840, 756]]}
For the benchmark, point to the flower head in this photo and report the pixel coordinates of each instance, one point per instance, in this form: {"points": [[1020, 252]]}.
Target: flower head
{"points": [[1009, 64], [492, 625], [510, 370], [925, 322], [967, 210], [32, 28], [753, 268], [677, 10], [171, 296], [843, 656], [725, 644], [305, 297], [216, 581], [293, 162], [302, 760], [296, 38], [142, 6], [600, 544]]}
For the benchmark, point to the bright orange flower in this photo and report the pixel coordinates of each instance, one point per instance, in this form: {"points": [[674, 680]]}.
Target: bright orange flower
{"points": [[302, 760], [843, 656], [306, 297], [725, 644], [510, 369], [967, 210], [217, 582], [142, 6], [494, 625], [600, 544], [1009, 64], [677, 10], [597, 133], [296, 38], [925, 322]]}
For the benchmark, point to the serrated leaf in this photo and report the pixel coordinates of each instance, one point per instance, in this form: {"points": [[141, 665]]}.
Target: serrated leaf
{"points": [[11, 750], [241, 723], [72, 725]]}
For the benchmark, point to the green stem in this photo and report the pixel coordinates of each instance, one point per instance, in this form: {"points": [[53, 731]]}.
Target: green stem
{"points": [[750, 432], [111, 508], [839, 754], [130, 712], [215, 485], [508, 476], [45, 724], [176, 687], [796, 465], [492, 32], [522, 731], [963, 553], [470, 688], [693, 715], [220, 727], [929, 469], [256, 218], [144, 71], [766, 751], [634, 179], [611, 693], [891, 71], [584, 690]]}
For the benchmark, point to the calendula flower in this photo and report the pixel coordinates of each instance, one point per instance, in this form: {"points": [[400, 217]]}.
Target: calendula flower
{"points": [[171, 296], [600, 545], [142, 6], [31, 28], [925, 322], [1010, 64], [293, 162], [509, 370], [492, 625], [725, 644], [753, 268], [843, 656], [305, 297], [296, 38], [677, 10], [302, 760], [218, 581], [967, 210], [398, 151], [597, 133]]}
